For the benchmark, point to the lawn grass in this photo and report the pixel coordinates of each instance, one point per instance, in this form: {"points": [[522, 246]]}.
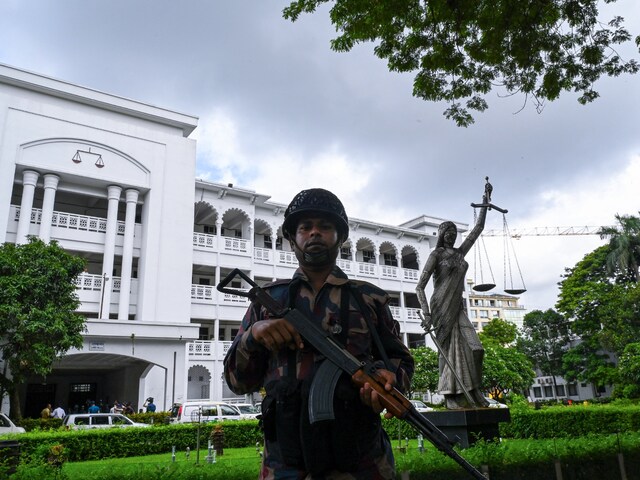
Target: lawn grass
{"points": [[235, 463]]}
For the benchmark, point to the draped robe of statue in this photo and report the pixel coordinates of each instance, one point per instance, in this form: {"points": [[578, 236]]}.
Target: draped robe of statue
{"points": [[454, 332]]}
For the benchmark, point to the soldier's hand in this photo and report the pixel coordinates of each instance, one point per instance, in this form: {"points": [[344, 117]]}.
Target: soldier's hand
{"points": [[276, 334], [371, 398]]}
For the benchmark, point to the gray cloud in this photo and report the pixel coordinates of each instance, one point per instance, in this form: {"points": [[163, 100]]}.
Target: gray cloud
{"points": [[288, 96]]}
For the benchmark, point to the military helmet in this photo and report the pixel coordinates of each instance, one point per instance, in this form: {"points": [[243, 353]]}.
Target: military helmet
{"points": [[319, 201]]}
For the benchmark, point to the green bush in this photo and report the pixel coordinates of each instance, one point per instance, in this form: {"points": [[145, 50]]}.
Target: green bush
{"points": [[31, 424], [95, 444], [155, 418]]}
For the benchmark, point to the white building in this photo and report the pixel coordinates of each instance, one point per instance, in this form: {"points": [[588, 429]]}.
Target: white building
{"points": [[112, 180]]}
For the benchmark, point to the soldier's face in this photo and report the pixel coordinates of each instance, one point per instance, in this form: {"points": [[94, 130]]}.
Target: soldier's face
{"points": [[315, 234]]}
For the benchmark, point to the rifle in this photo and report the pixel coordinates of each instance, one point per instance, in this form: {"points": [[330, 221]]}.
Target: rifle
{"points": [[339, 360]]}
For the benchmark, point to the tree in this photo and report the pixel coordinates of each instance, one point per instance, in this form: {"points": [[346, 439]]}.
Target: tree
{"points": [[463, 49], [425, 375], [37, 311], [505, 369], [629, 369], [605, 310], [500, 331], [545, 337], [624, 246]]}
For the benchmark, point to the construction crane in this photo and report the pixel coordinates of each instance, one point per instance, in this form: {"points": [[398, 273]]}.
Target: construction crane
{"points": [[544, 231]]}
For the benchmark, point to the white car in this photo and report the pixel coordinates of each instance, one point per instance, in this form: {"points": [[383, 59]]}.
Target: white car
{"points": [[247, 410], [494, 403], [421, 407], [81, 421], [7, 426], [204, 411]]}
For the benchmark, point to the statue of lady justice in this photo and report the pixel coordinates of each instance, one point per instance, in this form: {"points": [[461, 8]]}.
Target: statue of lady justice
{"points": [[461, 352]]}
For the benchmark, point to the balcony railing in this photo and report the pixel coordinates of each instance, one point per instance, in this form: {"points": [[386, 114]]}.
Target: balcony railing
{"points": [[206, 349], [72, 221], [236, 244], [413, 315], [262, 254], [88, 281], [344, 265], [388, 271], [405, 314], [368, 269], [202, 292], [287, 258], [235, 299], [410, 274], [204, 240]]}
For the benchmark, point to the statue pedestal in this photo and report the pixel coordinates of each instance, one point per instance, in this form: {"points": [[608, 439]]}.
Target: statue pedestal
{"points": [[465, 426]]}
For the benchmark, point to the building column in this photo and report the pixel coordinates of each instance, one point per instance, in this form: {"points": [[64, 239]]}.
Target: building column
{"points": [[113, 197], [29, 181], [274, 251], [219, 234], [50, 187], [131, 197]]}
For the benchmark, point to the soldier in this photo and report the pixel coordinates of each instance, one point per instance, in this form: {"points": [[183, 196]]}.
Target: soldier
{"points": [[270, 353]]}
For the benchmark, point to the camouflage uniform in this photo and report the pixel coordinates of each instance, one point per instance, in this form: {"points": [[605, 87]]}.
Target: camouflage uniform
{"points": [[353, 446]]}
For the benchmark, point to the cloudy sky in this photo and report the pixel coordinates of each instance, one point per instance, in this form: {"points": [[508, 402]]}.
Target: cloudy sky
{"points": [[279, 111]]}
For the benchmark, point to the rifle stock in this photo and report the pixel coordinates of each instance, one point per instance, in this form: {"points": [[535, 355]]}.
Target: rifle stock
{"points": [[361, 372]]}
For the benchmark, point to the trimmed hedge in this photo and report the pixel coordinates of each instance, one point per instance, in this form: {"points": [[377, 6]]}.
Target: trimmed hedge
{"points": [[95, 444], [574, 421]]}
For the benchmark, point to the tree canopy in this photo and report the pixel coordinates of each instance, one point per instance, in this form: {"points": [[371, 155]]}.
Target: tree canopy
{"points": [[603, 302], [624, 246], [505, 368], [425, 375], [545, 337], [37, 311], [460, 50], [629, 366], [499, 331]]}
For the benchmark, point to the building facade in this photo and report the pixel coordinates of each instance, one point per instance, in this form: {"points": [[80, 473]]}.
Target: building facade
{"points": [[484, 307], [112, 180]]}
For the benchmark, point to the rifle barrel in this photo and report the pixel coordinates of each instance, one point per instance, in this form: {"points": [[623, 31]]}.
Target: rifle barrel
{"points": [[439, 440]]}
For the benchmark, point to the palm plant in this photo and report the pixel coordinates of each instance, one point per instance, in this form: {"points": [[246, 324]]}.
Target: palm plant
{"points": [[624, 243]]}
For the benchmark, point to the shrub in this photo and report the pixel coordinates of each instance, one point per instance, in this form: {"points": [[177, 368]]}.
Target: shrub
{"points": [[31, 424], [574, 421], [128, 442]]}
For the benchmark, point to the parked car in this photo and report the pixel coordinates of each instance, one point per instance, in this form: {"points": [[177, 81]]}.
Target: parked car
{"points": [[421, 407], [494, 403], [7, 426], [248, 410], [78, 421], [205, 411]]}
